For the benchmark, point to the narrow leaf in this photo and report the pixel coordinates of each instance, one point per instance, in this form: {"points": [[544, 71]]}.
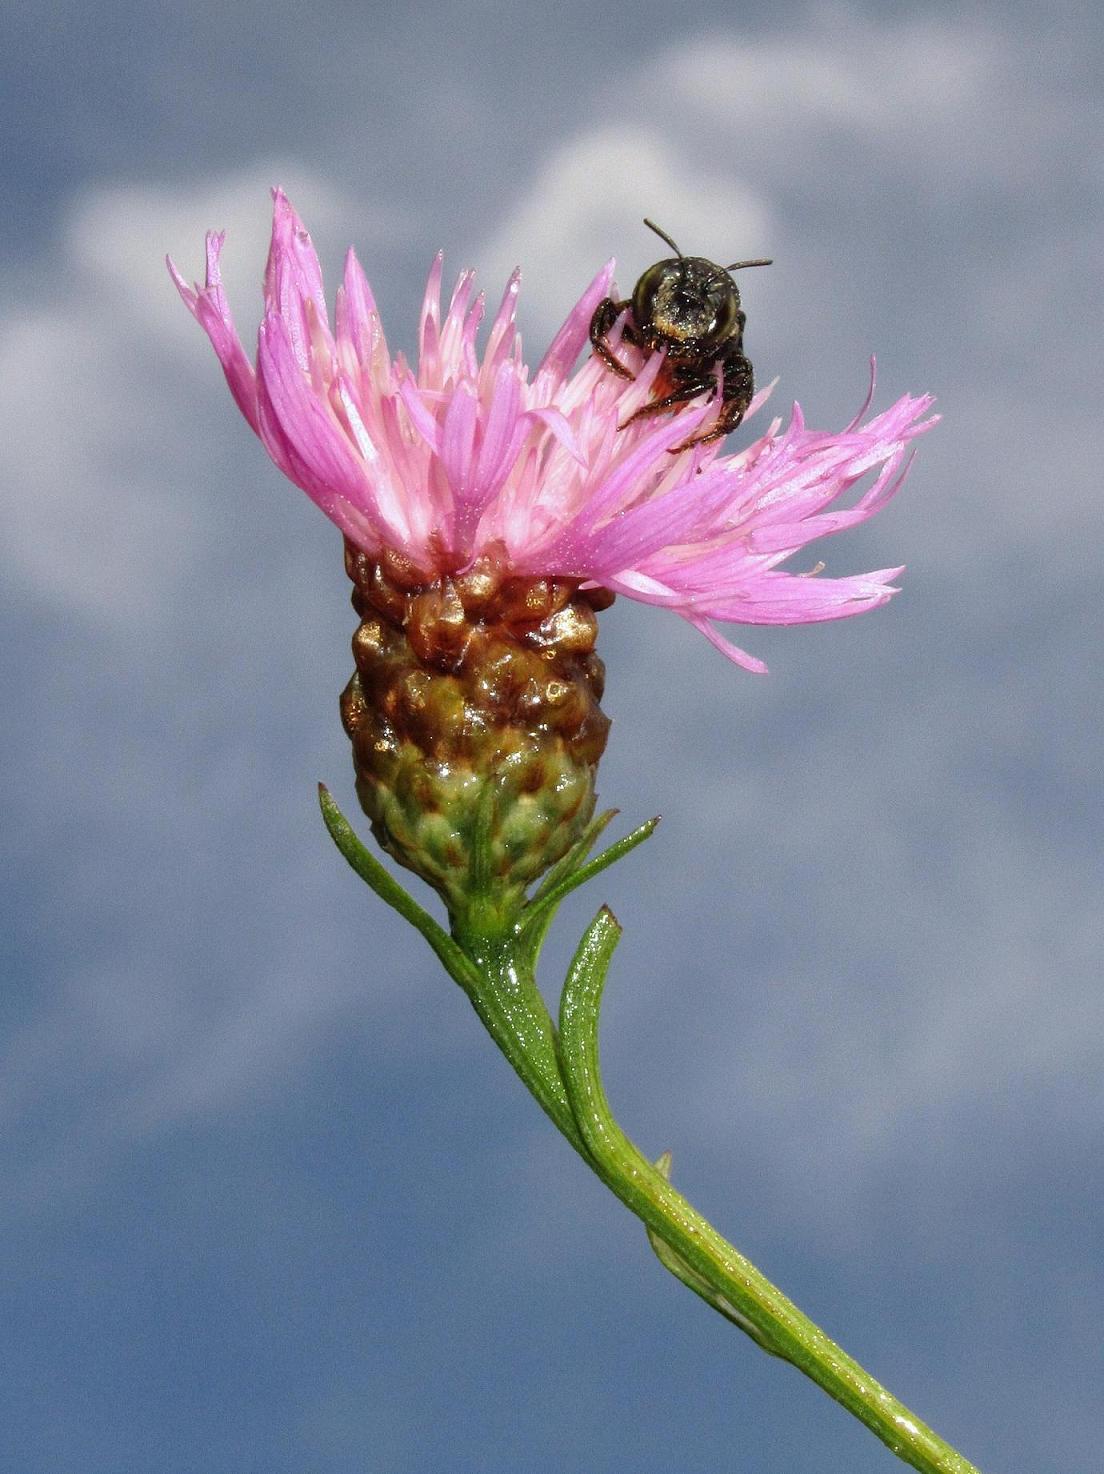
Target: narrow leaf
{"points": [[678, 1266], [575, 855], [580, 1010], [543, 906], [375, 875], [538, 917]]}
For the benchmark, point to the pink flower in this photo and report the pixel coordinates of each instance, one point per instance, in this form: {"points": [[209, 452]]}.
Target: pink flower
{"points": [[466, 456]]}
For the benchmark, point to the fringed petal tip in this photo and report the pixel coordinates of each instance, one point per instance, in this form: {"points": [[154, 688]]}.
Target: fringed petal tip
{"points": [[188, 293], [209, 307], [214, 241], [730, 651]]}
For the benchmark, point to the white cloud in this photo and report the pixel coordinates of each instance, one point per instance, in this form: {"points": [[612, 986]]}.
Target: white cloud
{"points": [[881, 81], [914, 94], [593, 190], [108, 383]]}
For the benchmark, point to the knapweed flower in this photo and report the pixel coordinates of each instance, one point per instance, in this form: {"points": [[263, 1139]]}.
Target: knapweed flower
{"points": [[488, 513]]}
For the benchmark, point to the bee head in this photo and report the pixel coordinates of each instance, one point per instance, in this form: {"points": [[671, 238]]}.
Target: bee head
{"points": [[688, 300]]}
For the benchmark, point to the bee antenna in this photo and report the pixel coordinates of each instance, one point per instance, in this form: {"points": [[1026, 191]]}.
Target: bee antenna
{"points": [[736, 265], [663, 236]]}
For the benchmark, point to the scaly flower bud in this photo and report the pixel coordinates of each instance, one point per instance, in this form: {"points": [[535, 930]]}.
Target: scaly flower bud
{"points": [[475, 724]]}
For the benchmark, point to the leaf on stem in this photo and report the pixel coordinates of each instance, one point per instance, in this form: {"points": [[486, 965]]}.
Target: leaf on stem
{"points": [[572, 873], [455, 961], [575, 855], [580, 1010], [678, 1266]]}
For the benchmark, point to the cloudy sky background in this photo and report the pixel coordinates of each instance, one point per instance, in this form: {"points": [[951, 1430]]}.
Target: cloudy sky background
{"points": [[270, 1200]]}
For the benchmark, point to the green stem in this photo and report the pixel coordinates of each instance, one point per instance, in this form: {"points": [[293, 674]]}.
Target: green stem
{"points": [[494, 964], [493, 969], [746, 1295], [508, 1002]]}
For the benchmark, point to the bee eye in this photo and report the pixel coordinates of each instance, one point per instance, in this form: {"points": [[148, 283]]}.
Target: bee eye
{"points": [[643, 297], [726, 317]]}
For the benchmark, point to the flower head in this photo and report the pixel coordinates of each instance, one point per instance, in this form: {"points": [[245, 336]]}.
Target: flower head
{"points": [[468, 459]]}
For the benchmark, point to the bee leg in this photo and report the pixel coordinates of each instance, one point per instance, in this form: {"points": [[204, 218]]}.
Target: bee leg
{"points": [[687, 388], [738, 388], [605, 315], [739, 381]]}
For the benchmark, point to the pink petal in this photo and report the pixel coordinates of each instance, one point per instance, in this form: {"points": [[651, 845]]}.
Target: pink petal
{"points": [[298, 427], [503, 334], [420, 417], [357, 320], [458, 442], [209, 307], [559, 426], [791, 598], [293, 278], [727, 648], [502, 433], [429, 324], [632, 470], [568, 342]]}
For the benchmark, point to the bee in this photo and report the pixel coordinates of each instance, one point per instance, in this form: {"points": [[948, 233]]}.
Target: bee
{"points": [[690, 307]]}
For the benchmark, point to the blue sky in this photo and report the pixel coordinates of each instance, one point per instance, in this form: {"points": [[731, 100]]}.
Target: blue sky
{"points": [[270, 1200]]}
